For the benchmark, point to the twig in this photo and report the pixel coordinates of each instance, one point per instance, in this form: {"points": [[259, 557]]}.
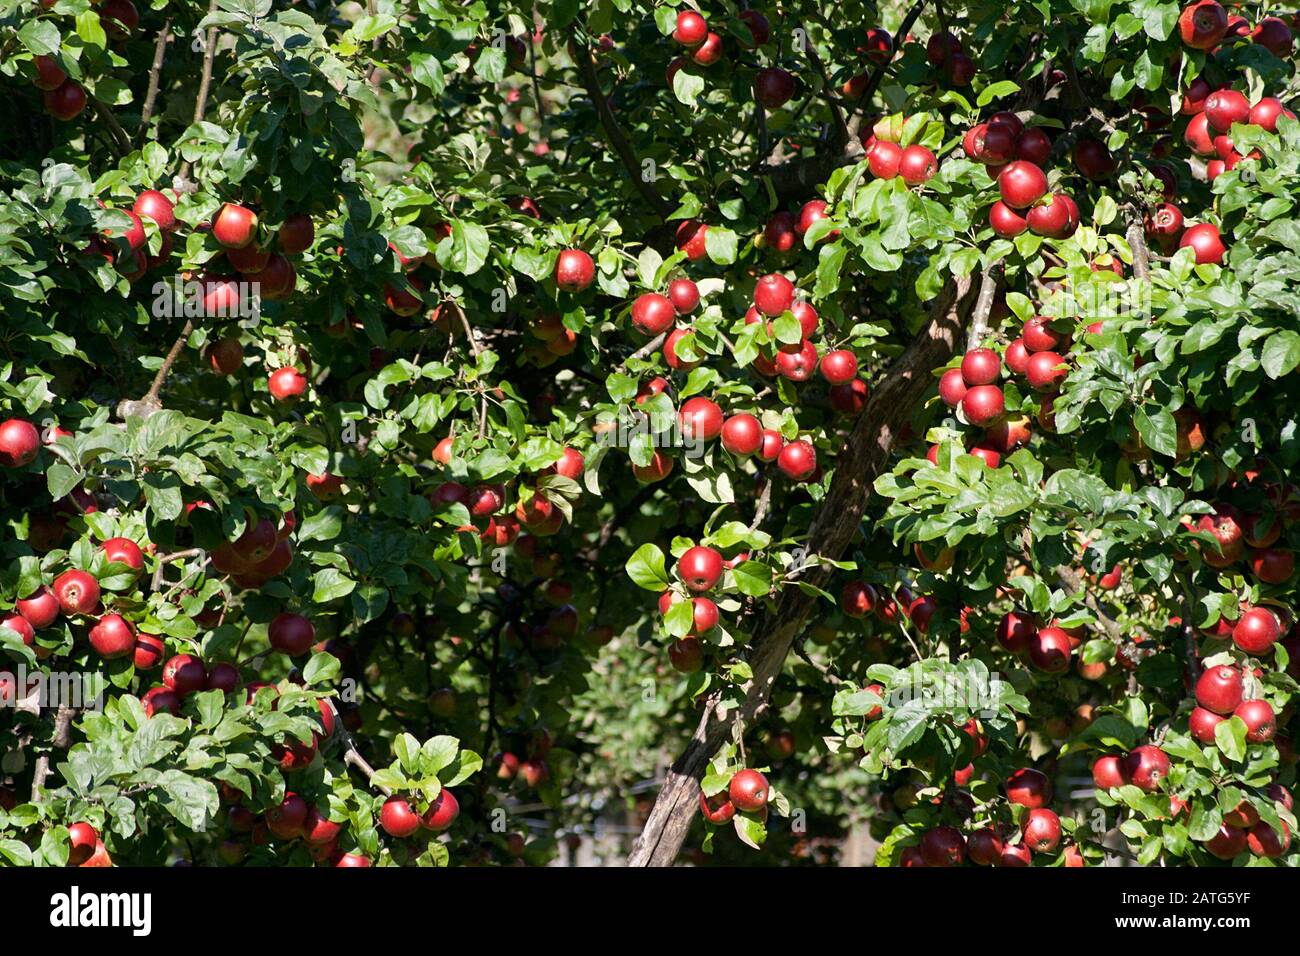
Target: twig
{"points": [[351, 755], [537, 85], [591, 83], [205, 83], [647, 349], [155, 76], [62, 738], [165, 559], [464, 324], [1137, 242], [151, 397]]}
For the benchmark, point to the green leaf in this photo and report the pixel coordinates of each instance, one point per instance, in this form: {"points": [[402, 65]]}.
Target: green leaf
{"points": [[646, 568]]}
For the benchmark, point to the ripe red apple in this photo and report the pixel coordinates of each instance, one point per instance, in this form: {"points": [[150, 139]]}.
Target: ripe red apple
{"points": [[123, 551], [684, 295], [1267, 111], [670, 351], [113, 636], [1224, 107], [849, 398], [1021, 184], [984, 847], [884, 159], [782, 231], [226, 356], [225, 678], [691, 239], [857, 598], [717, 809], [1202, 723], [151, 204], [1045, 371], [40, 608], [574, 270], [82, 840], [692, 29], [917, 164], [700, 568], [1146, 767], [770, 450], [686, 655], [1109, 772], [839, 366], [1016, 630], [234, 226], [184, 674], [1055, 216], [797, 460], [814, 211], [1219, 689], [760, 31], [799, 364], [1203, 24], [1205, 241], [980, 367], [1165, 220], [943, 846], [49, 75], [1264, 841], [653, 313], [983, 404], [1228, 843], [660, 467], [397, 818], [1198, 135], [442, 812], [1042, 830], [748, 790], [297, 233], [952, 387], [1272, 565], [773, 295], [1093, 159], [1029, 788], [1005, 221], [1050, 650], [742, 434], [1273, 35], [287, 384], [704, 616], [161, 700], [20, 626], [66, 101], [773, 87], [1261, 722], [1256, 631], [1034, 146], [291, 634], [709, 52], [700, 418], [19, 443], [77, 591]]}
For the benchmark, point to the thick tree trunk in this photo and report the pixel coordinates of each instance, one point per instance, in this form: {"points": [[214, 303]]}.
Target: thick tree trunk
{"points": [[866, 453]]}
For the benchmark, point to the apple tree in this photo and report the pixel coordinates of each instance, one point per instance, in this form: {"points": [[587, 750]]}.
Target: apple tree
{"points": [[418, 416]]}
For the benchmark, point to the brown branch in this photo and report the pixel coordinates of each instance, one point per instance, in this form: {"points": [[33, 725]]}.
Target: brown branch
{"points": [[165, 559], [155, 76], [150, 403], [62, 738], [979, 326], [351, 756], [591, 83], [865, 455], [205, 83], [645, 350], [1137, 242]]}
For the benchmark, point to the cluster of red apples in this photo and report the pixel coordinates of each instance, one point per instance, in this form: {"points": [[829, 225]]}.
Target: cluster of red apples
{"points": [[63, 97], [747, 792], [704, 48], [995, 843]]}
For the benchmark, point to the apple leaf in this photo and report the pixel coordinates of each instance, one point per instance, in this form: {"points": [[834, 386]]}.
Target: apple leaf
{"points": [[646, 568]]}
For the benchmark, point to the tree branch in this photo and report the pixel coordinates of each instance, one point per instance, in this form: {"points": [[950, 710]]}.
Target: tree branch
{"points": [[591, 83], [866, 454], [155, 76]]}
